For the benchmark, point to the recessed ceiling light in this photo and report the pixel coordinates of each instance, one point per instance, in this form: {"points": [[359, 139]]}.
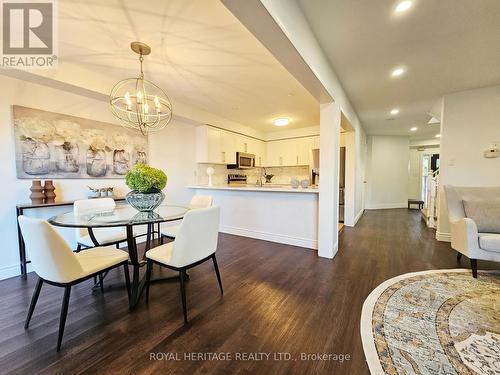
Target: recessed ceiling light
{"points": [[438, 135], [395, 111], [403, 6], [281, 122], [413, 129], [397, 72]]}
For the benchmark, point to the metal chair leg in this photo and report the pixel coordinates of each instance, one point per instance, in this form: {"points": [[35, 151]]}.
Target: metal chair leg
{"points": [[127, 279], [216, 267], [101, 282], [64, 313], [34, 300], [182, 275], [149, 266]]}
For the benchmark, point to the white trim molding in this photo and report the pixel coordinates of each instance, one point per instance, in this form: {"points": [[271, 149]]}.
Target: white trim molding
{"points": [[273, 237], [444, 237]]}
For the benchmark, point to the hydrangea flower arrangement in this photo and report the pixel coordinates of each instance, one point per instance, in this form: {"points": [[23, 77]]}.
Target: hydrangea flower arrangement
{"points": [[145, 179]]}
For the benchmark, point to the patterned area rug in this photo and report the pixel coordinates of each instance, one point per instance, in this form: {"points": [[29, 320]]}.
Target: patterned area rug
{"points": [[434, 322]]}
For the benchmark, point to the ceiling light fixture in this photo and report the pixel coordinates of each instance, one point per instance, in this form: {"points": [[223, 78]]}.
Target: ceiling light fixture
{"points": [[397, 72], [438, 135], [403, 6], [281, 122], [414, 129], [395, 111], [138, 103]]}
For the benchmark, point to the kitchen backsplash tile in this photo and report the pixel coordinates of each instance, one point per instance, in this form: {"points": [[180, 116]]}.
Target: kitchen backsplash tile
{"points": [[282, 175]]}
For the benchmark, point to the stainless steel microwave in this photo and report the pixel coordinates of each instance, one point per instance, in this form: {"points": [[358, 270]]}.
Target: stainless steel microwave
{"points": [[243, 160]]}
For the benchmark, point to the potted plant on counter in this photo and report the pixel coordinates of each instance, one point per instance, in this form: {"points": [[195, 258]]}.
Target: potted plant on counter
{"points": [[146, 183]]}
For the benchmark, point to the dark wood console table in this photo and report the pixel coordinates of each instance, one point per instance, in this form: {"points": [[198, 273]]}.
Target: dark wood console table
{"points": [[20, 208]]}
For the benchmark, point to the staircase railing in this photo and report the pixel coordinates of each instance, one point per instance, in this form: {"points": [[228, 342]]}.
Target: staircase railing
{"points": [[430, 197]]}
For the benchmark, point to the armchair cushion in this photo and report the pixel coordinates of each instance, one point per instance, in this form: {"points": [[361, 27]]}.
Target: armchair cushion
{"points": [[489, 241], [486, 215]]}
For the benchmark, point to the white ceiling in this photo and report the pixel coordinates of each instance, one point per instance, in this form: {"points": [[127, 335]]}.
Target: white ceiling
{"points": [[446, 46], [201, 55]]}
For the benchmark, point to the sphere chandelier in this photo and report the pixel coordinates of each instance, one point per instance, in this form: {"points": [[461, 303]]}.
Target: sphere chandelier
{"points": [[138, 103]]}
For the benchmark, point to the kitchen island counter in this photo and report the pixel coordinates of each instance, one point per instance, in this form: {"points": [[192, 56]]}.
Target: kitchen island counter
{"points": [[273, 213]]}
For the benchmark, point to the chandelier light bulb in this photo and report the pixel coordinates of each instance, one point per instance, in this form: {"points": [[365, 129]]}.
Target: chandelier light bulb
{"points": [[139, 97], [146, 108]]}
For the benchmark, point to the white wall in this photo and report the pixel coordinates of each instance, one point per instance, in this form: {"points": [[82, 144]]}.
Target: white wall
{"points": [[387, 172], [470, 124], [171, 150]]}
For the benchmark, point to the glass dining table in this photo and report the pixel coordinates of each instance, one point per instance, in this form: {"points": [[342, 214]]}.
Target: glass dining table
{"points": [[124, 215]]}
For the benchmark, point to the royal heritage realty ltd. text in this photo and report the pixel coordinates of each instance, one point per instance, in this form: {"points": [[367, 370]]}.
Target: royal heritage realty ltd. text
{"points": [[246, 356]]}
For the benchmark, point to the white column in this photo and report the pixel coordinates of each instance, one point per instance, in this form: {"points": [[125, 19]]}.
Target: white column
{"points": [[329, 179]]}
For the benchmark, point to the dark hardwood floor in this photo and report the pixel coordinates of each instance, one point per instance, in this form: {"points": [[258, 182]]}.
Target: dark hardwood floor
{"points": [[277, 299]]}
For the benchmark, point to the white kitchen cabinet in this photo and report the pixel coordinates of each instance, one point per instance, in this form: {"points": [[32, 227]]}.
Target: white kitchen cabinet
{"points": [[304, 147], [209, 145], [289, 152], [229, 147], [220, 146]]}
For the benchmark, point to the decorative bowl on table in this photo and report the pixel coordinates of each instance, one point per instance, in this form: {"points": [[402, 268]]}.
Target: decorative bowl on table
{"points": [[146, 183]]}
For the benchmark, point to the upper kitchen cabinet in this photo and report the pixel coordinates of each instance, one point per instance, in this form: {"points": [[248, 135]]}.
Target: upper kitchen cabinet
{"points": [[219, 146], [209, 145], [288, 152]]}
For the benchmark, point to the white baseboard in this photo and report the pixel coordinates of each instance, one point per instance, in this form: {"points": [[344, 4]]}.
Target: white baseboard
{"points": [[444, 237], [358, 216], [12, 271], [273, 237], [385, 206]]}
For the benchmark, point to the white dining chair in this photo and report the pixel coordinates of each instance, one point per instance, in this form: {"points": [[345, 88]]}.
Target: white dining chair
{"points": [[56, 264], [195, 243], [104, 236], [198, 201]]}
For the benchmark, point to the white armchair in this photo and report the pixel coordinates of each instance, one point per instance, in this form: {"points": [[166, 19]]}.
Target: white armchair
{"points": [[465, 238]]}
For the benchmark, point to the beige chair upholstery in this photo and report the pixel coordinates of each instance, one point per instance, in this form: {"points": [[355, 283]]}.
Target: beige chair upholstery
{"points": [[56, 264], [465, 238], [196, 242], [198, 201], [104, 236]]}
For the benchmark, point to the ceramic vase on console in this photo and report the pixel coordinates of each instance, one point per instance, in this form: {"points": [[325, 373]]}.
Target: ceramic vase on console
{"points": [[48, 188], [37, 196]]}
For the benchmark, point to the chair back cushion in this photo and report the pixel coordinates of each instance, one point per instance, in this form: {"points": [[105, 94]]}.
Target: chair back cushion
{"points": [[456, 195], [50, 255], [486, 215], [201, 201], [91, 205], [197, 236]]}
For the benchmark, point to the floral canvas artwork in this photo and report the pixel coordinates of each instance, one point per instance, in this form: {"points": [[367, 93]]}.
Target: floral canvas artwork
{"points": [[53, 145]]}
